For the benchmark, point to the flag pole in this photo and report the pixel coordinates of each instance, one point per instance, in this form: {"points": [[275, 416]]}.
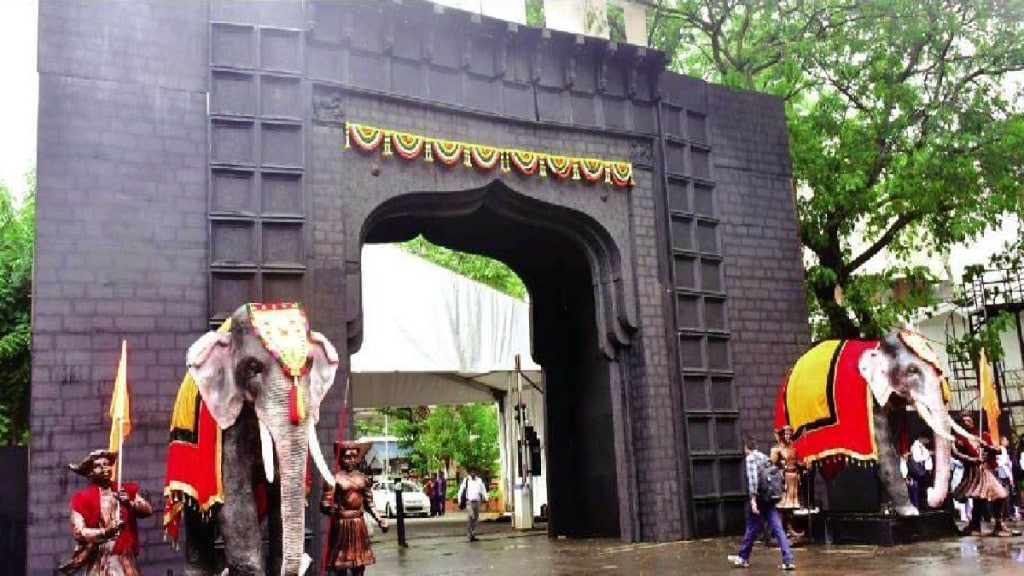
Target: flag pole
{"points": [[120, 430], [120, 453]]}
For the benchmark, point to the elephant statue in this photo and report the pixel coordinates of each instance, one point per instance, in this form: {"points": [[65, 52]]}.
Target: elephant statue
{"points": [[842, 396], [242, 432]]}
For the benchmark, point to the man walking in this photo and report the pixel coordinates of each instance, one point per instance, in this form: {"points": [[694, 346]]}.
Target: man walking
{"points": [[441, 492], [472, 491], [760, 509]]}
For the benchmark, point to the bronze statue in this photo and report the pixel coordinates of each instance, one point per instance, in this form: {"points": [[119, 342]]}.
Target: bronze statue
{"points": [[783, 455], [349, 541], [103, 521]]}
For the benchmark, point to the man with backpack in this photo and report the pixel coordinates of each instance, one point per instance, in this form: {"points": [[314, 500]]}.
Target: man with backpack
{"points": [[764, 485]]}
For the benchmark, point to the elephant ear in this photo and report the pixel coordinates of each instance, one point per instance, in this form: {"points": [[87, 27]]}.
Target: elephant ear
{"points": [[209, 363], [875, 366], [321, 374]]}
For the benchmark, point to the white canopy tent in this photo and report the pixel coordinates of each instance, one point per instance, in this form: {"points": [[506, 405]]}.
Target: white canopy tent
{"points": [[431, 336]]}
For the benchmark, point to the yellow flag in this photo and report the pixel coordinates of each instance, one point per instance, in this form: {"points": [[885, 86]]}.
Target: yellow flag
{"points": [[120, 406], [989, 399]]}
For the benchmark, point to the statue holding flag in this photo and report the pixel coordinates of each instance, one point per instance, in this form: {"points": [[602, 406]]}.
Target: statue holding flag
{"points": [[977, 448], [104, 515]]}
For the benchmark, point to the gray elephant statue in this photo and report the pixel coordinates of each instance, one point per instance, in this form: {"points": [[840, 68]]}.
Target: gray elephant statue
{"points": [[241, 430], [842, 397]]}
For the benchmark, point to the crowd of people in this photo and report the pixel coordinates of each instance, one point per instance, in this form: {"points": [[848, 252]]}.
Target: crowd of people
{"points": [[987, 481], [987, 484]]}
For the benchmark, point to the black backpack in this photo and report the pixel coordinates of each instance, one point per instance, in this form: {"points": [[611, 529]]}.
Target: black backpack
{"points": [[769, 482]]}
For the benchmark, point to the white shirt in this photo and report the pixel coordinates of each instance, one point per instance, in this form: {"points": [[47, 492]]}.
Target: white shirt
{"points": [[474, 489], [1004, 467], [920, 454]]}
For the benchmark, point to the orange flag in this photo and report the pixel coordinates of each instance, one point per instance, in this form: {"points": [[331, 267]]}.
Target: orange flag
{"points": [[989, 399], [120, 406]]}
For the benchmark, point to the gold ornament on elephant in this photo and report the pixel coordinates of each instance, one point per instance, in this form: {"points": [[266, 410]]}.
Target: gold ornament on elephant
{"points": [[284, 331], [920, 348]]}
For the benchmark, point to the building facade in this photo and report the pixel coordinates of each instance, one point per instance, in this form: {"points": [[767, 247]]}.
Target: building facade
{"points": [[192, 157]]}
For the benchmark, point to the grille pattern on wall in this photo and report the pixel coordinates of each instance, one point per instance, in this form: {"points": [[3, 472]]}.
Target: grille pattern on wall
{"points": [[709, 395], [257, 205]]}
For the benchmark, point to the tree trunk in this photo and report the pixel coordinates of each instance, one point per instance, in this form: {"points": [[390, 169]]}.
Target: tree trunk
{"points": [[841, 326]]}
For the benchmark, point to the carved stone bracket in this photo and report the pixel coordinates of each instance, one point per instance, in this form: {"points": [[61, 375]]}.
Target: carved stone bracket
{"points": [[641, 154], [572, 63], [537, 65], [636, 70], [605, 59], [327, 106]]}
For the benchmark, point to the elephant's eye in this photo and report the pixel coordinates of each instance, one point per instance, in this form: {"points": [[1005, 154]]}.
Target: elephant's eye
{"points": [[252, 369]]}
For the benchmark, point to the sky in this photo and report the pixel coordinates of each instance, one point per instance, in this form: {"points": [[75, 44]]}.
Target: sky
{"points": [[20, 93], [19, 104]]}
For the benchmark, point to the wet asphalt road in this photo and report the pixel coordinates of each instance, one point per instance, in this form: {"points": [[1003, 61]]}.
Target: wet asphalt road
{"points": [[439, 546]]}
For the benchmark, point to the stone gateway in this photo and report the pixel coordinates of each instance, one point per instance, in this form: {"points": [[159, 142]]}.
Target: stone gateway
{"points": [[196, 156]]}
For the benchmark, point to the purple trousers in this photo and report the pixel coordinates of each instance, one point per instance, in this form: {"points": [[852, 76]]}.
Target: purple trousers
{"points": [[755, 523]]}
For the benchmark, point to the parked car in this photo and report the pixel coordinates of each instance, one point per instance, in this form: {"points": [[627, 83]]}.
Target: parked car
{"points": [[414, 501]]}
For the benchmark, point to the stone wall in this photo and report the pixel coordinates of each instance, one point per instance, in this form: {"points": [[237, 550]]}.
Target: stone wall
{"points": [[128, 215]]}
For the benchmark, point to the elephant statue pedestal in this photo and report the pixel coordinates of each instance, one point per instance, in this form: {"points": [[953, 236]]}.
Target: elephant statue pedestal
{"points": [[878, 529]]}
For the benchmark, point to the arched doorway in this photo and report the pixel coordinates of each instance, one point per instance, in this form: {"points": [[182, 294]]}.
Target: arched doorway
{"points": [[569, 264]]}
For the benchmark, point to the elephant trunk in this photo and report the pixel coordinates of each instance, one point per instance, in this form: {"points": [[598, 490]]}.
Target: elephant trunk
{"points": [[935, 415], [293, 509], [290, 447], [937, 493]]}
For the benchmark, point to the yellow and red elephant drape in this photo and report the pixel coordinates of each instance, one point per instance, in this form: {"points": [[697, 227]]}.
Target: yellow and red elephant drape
{"points": [[193, 475], [828, 404]]}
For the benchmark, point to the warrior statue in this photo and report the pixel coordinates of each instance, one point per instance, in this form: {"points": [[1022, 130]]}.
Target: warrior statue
{"points": [[349, 541], [784, 456], [103, 521]]}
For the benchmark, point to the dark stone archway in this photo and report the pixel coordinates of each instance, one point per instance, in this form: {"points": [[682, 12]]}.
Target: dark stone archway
{"points": [[571, 268]]}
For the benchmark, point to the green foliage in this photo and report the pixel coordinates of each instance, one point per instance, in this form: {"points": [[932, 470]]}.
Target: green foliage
{"points": [[535, 13], [480, 268], [466, 434], [900, 130], [967, 348], [17, 238]]}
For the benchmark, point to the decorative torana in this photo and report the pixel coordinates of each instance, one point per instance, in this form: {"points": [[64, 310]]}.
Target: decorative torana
{"points": [[486, 158]]}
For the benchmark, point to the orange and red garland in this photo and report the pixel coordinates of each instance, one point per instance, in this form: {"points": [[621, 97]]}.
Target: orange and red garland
{"points": [[486, 158]]}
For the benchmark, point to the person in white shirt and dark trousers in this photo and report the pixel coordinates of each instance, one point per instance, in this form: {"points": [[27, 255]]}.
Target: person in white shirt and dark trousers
{"points": [[471, 492]]}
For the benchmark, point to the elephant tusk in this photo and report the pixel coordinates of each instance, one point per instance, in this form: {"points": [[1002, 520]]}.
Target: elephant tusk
{"points": [[960, 429], [304, 564], [267, 448], [318, 457], [929, 418]]}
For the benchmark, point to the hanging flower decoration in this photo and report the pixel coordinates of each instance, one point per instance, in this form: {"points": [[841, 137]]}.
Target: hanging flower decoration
{"points": [[486, 158], [591, 170], [449, 153], [620, 173], [407, 146], [525, 162], [365, 138], [560, 166]]}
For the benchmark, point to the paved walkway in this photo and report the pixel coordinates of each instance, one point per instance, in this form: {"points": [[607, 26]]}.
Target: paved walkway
{"points": [[439, 546]]}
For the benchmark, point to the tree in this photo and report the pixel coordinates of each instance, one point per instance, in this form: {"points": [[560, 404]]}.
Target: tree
{"points": [[480, 268], [17, 238], [466, 434], [900, 130]]}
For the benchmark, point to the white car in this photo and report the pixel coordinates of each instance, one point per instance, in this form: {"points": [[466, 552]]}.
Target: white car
{"points": [[414, 501]]}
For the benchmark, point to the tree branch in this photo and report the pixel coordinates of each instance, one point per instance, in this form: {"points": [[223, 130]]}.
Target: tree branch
{"points": [[902, 222]]}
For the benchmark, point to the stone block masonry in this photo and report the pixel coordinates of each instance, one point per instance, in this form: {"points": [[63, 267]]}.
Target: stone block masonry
{"points": [[162, 124]]}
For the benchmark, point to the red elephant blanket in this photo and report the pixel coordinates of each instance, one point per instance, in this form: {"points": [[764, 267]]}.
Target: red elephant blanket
{"points": [[829, 404], [193, 459]]}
